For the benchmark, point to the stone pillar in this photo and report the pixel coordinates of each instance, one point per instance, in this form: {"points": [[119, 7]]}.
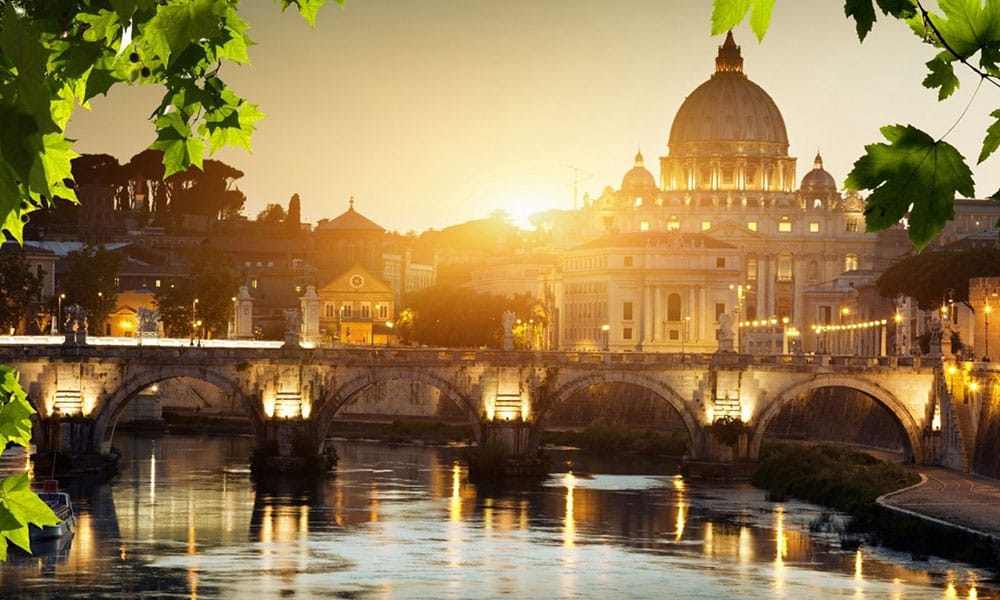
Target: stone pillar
{"points": [[243, 315], [310, 316]]}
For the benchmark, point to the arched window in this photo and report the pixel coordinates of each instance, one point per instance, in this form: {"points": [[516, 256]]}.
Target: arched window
{"points": [[851, 262], [674, 307]]}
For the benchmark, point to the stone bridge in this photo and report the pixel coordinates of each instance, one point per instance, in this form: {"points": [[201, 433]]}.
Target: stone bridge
{"points": [[86, 388]]}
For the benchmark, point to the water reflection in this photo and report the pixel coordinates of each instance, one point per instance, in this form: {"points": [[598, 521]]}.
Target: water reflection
{"points": [[185, 520]]}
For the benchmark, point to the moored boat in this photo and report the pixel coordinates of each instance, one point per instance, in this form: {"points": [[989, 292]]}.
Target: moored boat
{"points": [[50, 538]]}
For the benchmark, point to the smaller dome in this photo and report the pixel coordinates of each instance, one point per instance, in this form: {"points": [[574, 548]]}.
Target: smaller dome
{"points": [[818, 180], [638, 182]]}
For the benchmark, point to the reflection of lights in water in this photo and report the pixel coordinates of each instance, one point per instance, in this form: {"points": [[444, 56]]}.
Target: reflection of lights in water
{"points": [[709, 542], [152, 478], [950, 591], [858, 573], [973, 595], [373, 503], [488, 514], [780, 551], [745, 551], [455, 506], [569, 531], [192, 538], [682, 506]]}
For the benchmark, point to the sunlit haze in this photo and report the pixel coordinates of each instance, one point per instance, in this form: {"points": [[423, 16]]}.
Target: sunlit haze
{"points": [[433, 113]]}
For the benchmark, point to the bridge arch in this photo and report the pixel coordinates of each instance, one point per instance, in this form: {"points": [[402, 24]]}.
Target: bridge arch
{"points": [[331, 404], [911, 430], [568, 389], [111, 409]]}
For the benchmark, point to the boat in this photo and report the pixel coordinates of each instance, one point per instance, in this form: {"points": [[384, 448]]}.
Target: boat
{"points": [[52, 538]]}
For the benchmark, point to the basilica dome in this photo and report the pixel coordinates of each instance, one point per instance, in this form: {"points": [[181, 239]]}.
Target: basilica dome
{"points": [[728, 114], [639, 182], [819, 179]]}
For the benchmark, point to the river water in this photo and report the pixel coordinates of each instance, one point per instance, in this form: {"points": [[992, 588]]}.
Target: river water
{"points": [[184, 520]]}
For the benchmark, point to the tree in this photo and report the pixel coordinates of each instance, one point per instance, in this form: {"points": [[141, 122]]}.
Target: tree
{"points": [[91, 281], [19, 287], [54, 55], [293, 218], [206, 296], [940, 272], [914, 176], [273, 214], [459, 317]]}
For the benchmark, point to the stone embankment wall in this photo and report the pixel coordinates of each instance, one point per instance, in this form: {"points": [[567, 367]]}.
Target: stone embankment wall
{"points": [[986, 460]]}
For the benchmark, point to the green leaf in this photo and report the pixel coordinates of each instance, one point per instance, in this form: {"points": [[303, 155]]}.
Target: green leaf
{"points": [[942, 75], [913, 169], [967, 25], [308, 8], [176, 26], [236, 129], [992, 140], [863, 13], [20, 507]]}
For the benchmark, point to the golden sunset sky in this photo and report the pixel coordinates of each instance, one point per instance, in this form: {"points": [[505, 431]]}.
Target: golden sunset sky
{"points": [[434, 112]]}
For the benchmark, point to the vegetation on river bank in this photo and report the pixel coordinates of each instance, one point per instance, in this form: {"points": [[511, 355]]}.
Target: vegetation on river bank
{"points": [[605, 437], [850, 482]]}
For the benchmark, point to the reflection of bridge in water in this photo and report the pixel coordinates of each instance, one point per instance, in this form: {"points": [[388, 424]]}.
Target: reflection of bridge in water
{"points": [[80, 392]]}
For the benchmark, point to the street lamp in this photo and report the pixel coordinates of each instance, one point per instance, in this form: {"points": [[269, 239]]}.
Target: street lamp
{"points": [[388, 325], [986, 313], [55, 321], [607, 332]]}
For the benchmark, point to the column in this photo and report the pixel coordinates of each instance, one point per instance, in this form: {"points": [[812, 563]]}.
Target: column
{"points": [[703, 318], [646, 314], [657, 332]]}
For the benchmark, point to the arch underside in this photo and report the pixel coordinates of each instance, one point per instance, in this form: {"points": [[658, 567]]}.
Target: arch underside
{"points": [[566, 391], [115, 404], [332, 404], [911, 431]]}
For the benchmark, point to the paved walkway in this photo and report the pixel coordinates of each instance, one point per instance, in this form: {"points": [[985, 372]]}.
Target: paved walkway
{"points": [[953, 497]]}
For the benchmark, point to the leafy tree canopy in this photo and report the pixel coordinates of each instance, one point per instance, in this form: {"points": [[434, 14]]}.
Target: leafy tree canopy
{"points": [[459, 317], [940, 272], [55, 56], [91, 281], [18, 287], [914, 176], [205, 296]]}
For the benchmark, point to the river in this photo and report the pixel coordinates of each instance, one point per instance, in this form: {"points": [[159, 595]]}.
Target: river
{"points": [[184, 520]]}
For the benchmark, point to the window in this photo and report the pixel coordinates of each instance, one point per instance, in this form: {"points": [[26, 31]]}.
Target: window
{"points": [[253, 283], [627, 311], [644, 226], [785, 226], [785, 267], [627, 333], [382, 311], [852, 225], [720, 308], [328, 310], [706, 225], [825, 315], [851, 262], [752, 225], [674, 335], [366, 310], [720, 262], [346, 311], [673, 224], [628, 261], [158, 283], [813, 227], [674, 307], [751, 267]]}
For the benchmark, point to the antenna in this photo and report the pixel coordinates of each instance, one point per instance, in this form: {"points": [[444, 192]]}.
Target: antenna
{"points": [[576, 181]]}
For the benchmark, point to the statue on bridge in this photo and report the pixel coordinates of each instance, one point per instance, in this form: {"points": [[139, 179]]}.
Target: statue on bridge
{"points": [[725, 332], [293, 327], [148, 322], [75, 326], [508, 329]]}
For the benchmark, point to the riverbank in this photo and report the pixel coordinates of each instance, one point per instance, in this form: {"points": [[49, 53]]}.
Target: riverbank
{"points": [[858, 484]]}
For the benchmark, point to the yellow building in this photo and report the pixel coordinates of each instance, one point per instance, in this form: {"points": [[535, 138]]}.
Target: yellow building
{"points": [[357, 308]]}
